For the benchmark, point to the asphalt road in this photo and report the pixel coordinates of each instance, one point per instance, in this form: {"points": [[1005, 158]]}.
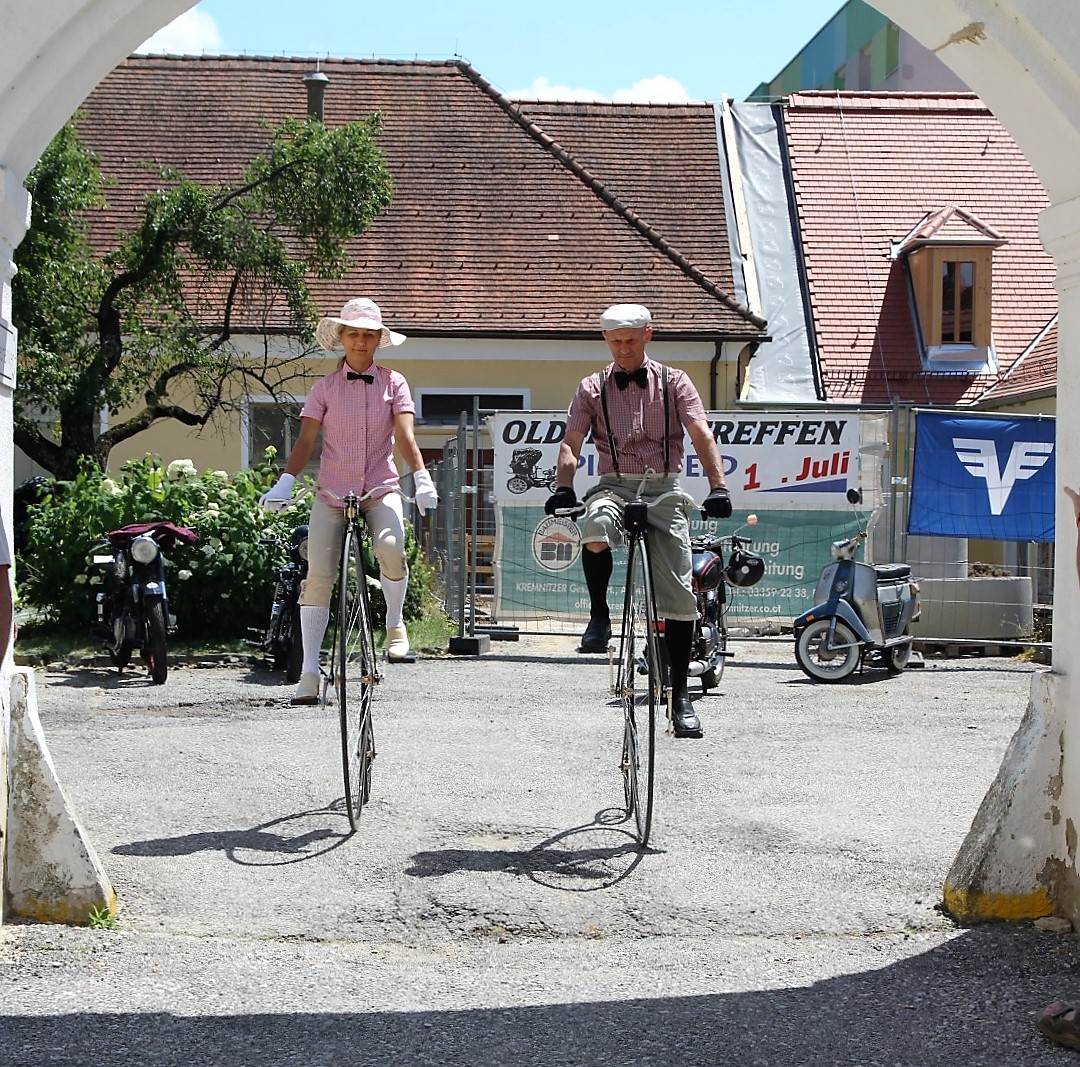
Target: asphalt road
{"points": [[494, 909]]}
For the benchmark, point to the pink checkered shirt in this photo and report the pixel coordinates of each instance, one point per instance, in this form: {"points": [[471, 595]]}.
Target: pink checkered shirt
{"points": [[637, 418], [357, 430]]}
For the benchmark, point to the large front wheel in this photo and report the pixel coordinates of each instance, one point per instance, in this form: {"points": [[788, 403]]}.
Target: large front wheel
{"points": [[640, 688], [355, 673], [157, 653], [827, 650]]}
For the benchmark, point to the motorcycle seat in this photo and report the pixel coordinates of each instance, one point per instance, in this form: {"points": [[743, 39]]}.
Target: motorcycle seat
{"points": [[892, 572]]}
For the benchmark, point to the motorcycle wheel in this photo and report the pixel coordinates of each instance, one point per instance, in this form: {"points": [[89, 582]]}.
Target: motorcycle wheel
{"points": [[157, 657], [897, 657], [120, 653], [517, 485], [818, 656], [294, 660]]}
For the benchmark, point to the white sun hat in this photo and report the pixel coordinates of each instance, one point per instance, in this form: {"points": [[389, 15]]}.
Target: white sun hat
{"points": [[361, 313]]}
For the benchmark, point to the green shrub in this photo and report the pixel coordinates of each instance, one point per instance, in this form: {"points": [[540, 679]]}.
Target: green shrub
{"points": [[217, 588]]}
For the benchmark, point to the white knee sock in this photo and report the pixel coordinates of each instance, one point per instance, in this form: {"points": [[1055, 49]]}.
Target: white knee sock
{"points": [[313, 622], [394, 594]]}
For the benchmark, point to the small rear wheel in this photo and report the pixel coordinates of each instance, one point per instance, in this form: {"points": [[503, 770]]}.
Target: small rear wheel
{"points": [[897, 657]]}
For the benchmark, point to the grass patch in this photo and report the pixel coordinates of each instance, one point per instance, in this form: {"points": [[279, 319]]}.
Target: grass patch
{"points": [[103, 919]]}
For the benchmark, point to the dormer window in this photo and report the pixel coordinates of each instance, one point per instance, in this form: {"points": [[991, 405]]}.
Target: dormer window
{"points": [[949, 261]]}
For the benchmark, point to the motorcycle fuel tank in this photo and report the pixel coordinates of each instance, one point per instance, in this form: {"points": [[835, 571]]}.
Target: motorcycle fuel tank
{"points": [[707, 572]]}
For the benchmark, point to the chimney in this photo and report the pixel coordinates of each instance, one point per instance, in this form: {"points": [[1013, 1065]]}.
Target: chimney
{"points": [[316, 90]]}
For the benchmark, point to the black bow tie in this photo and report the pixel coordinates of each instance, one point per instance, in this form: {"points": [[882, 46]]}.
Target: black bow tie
{"points": [[352, 376], [624, 378]]}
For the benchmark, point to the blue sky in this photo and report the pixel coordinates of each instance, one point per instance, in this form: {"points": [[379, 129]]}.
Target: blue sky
{"points": [[663, 51]]}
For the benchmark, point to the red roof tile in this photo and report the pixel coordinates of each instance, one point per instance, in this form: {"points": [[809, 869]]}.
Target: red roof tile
{"points": [[495, 227], [866, 168]]}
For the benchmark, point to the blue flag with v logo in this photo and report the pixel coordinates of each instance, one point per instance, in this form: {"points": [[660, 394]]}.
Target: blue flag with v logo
{"points": [[983, 476]]}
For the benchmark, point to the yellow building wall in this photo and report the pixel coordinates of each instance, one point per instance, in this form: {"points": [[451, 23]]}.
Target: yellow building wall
{"points": [[550, 384]]}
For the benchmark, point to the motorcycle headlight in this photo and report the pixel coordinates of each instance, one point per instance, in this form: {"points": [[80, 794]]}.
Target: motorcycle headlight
{"points": [[301, 550], [144, 549]]}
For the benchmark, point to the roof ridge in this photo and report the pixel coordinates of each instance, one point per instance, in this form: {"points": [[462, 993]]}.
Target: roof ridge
{"points": [[592, 182]]}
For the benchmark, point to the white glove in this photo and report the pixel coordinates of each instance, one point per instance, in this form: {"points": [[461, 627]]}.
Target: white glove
{"points": [[278, 495], [424, 492]]}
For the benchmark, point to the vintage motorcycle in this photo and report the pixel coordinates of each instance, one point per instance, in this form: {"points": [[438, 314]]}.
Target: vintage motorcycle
{"points": [[714, 582], [281, 640], [523, 463], [132, 606], [862, 612], [712, 579]]}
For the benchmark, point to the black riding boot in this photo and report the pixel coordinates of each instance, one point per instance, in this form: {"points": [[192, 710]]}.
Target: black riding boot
{"points": [[597, 569], [678, 637]]}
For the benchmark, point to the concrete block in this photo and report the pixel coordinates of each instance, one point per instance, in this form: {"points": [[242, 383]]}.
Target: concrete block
{"points": [[52, 872], [470, 646]]}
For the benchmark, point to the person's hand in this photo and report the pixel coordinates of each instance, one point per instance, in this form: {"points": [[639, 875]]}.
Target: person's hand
{"points": [[1074, 496], [717, 505], [424, 492], [563, 497], [279, 495]]}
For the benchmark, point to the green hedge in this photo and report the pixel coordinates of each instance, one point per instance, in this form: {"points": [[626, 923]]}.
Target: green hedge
{"points": [[218, 588]]}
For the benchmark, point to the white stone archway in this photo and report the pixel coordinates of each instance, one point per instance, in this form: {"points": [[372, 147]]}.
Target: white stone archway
{"points": [[1021, 56]]}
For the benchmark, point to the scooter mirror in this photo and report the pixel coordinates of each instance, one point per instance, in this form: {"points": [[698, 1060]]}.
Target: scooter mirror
{"points": [[854, 496]]}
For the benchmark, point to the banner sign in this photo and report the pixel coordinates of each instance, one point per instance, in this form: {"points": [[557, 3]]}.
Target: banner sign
{"points": [[983, 476], [802, 459], [793, 471], [538, 564]]}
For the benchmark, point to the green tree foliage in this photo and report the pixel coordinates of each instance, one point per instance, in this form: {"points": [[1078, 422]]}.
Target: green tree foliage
{"points": [[217, 588], [145, 330]]}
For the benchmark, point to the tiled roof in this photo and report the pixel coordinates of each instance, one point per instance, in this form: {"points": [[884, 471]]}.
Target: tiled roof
{"points": [[495, 228], [1034, 374], [661, 160], [866, 169]]}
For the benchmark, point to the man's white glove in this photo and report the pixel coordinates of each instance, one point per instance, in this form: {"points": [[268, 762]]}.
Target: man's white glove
{"points": [[280, 494], [424, 492]]}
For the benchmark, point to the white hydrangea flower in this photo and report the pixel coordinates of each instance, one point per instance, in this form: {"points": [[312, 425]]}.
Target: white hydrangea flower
{"points": [[181, 468], [183, 575]]}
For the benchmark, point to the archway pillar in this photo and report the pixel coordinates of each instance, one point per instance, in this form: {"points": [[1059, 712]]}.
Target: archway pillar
{"points": [[1019, 859]]}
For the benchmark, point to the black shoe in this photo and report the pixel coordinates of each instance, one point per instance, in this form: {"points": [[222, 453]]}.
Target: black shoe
{"points": [[683, 717], [596, 637]]}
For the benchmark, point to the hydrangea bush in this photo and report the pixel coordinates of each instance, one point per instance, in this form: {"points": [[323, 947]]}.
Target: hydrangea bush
{"points": [[219, 587]]}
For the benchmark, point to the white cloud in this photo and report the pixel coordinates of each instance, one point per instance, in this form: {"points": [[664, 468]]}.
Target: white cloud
{"points": [[658, 90], [542, 89], [192, 33]]}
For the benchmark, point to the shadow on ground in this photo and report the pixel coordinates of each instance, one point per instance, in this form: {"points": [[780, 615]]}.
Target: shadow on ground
{"points": [[969, 1001]]}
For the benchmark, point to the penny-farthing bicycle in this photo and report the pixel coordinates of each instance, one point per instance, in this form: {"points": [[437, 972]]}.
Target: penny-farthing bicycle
{"points": [[641, 681], [354, 669]]}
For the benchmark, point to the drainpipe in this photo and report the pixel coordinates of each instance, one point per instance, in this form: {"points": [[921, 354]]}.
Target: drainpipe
{"points": [[315, 81], [719, 351]]}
